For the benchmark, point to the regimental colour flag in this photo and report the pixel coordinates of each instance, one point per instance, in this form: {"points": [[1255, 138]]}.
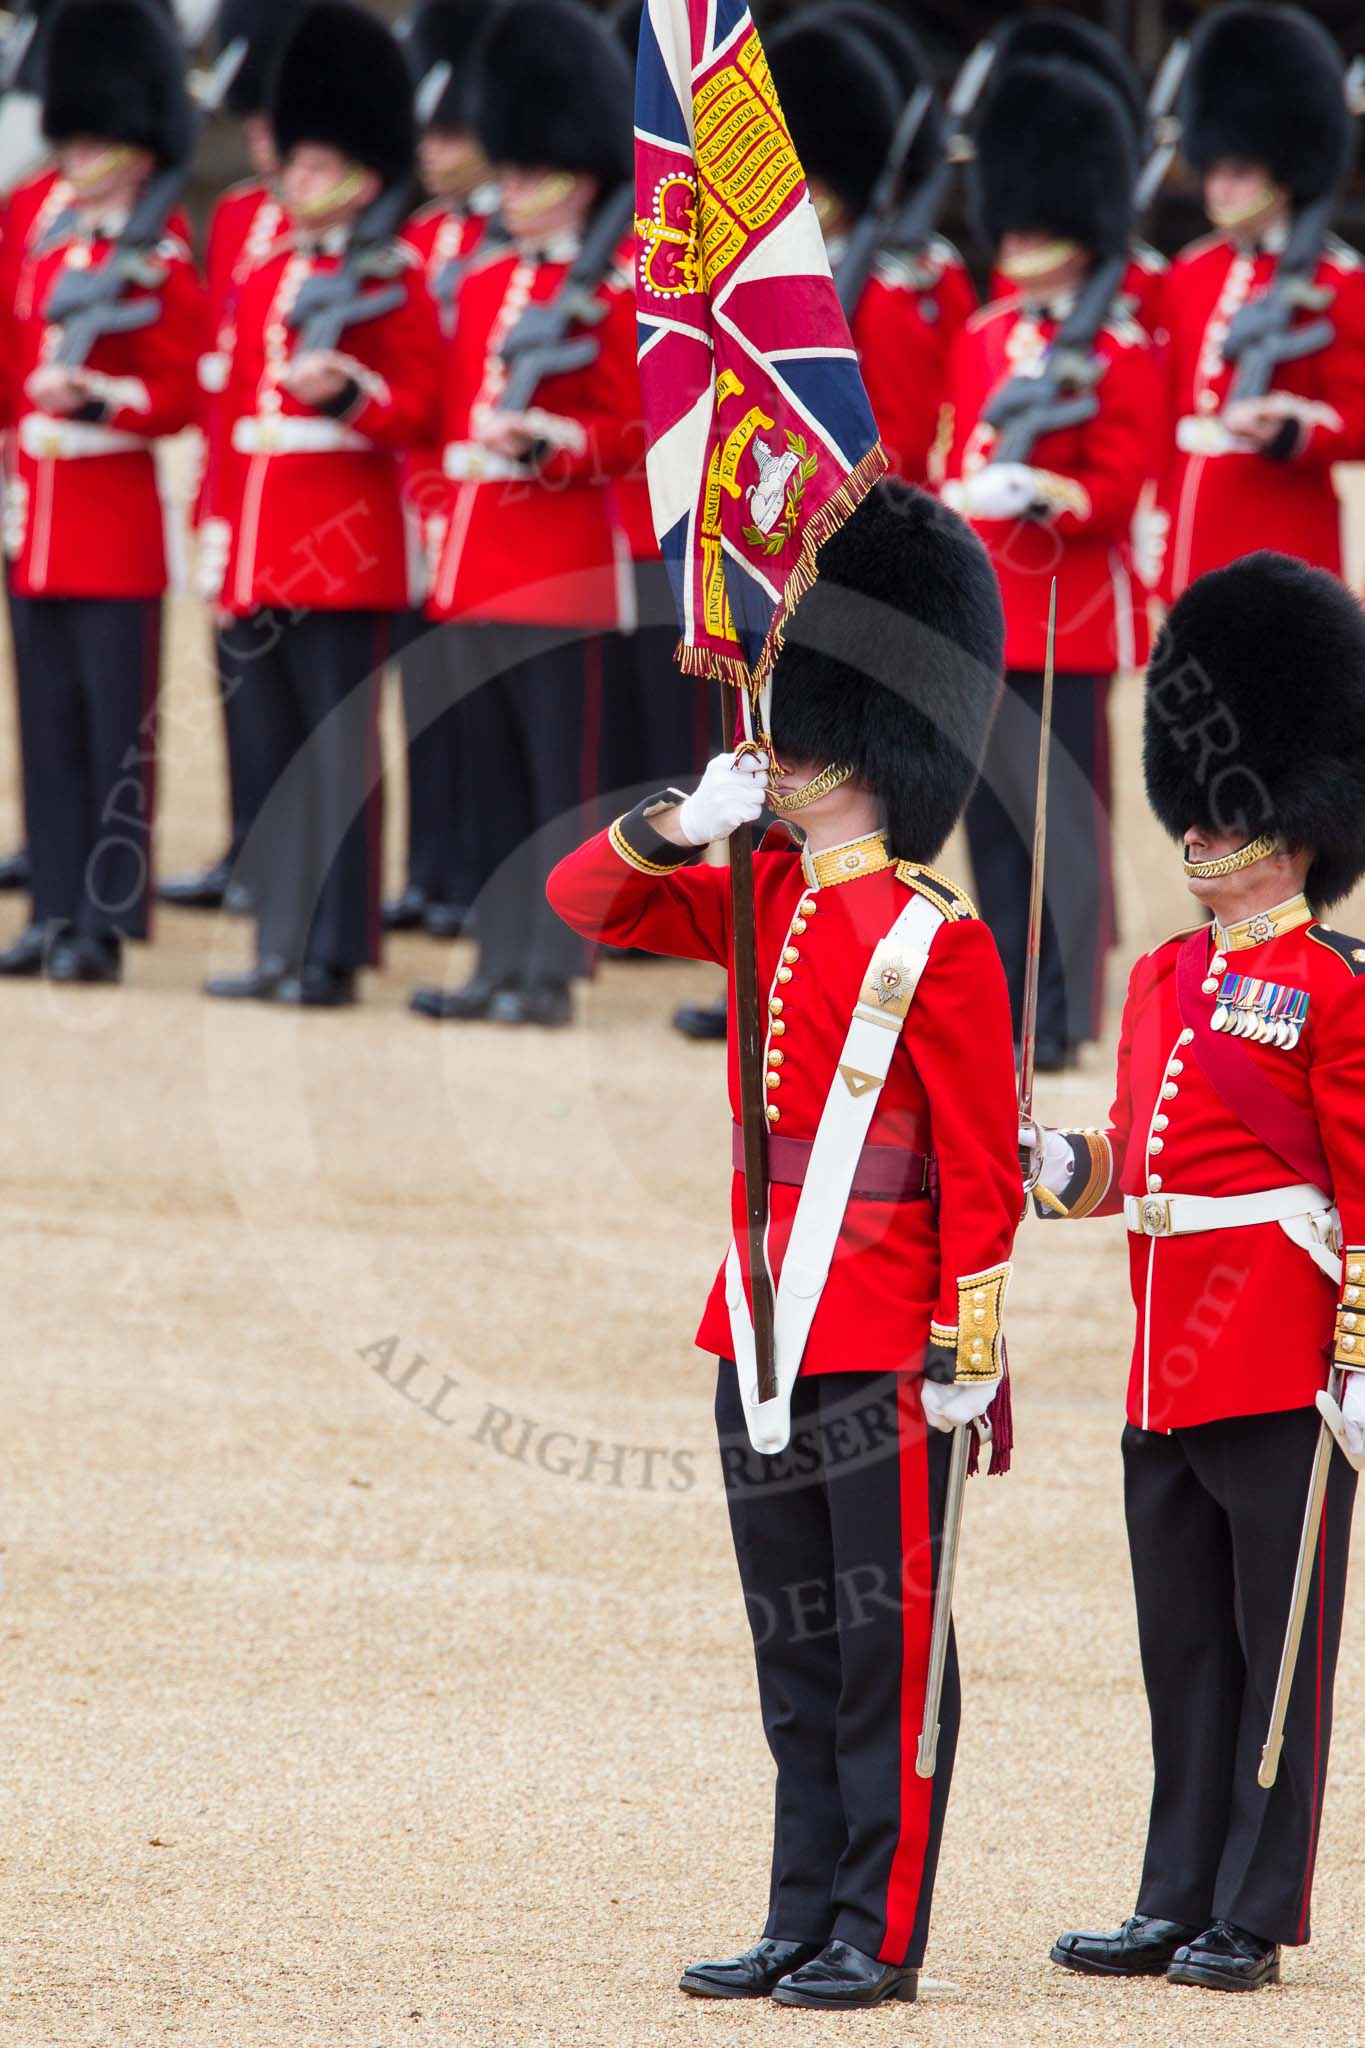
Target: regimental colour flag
{"points": [[760, 437]]}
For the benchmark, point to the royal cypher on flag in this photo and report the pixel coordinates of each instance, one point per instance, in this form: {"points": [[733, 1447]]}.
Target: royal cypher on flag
{"points": [[760, 437]]}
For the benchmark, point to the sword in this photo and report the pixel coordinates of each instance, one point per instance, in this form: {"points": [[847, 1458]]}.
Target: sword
{"points": [[927, 1755], [1028, 1035], [1303, 1580]]}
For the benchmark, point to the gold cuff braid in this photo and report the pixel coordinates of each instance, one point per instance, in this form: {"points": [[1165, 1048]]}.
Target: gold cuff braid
{"points": [[1348, 1349], [980, 1323]]}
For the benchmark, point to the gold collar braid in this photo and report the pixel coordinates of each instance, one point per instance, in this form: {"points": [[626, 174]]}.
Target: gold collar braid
{"points": [[1265, 924], [1232, 863], [847, 863]]}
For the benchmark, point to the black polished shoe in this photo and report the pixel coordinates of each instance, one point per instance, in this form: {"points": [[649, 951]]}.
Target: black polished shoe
{"points": [[544, 1002], [28, 955], [1227, 1958], [445, 920], [751, 1975], [14, 870], [466, 1005], [79, 958], [404, 912], [204, 891], [700, 1020], [318, 987], [1140, 1948], [842, 1976], [257, 985]]}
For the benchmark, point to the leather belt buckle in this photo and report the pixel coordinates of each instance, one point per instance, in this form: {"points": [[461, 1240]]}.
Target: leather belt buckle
{"points": [[1156, 1216]]}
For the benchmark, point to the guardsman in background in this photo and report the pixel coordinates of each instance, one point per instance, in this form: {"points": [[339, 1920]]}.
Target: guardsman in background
{"points": [[317, 563], [1265, 123], [531, 563], [1053, 181], [1235, 1149], [246, 222], [1053, 33], [445, 868], [877, 772], [85, 518]]}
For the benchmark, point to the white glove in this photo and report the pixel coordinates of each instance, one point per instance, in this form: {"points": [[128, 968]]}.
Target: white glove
{"points": [[1353, 1412], [1003, 490], [731, 793], [1058, 1161], [947, 1407]]}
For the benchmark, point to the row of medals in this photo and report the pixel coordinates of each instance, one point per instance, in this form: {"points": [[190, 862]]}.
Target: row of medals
{"points": [[1265, 1011]]}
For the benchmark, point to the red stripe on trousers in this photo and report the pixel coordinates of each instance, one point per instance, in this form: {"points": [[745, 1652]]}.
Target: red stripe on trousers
{"points": [[1317, 1733], [917, 1615]]}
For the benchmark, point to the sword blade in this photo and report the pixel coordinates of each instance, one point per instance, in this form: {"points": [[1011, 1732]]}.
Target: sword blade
{"points": [[927, 1754], [1028, 1034], [1298, 1602]]}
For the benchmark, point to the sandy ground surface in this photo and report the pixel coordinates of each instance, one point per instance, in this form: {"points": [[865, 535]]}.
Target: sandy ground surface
{"points": [[374, 1670]]}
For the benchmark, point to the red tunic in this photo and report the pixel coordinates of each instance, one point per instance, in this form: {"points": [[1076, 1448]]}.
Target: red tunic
{"points": [[318, 519], [950, 1089], [1237, 1321], [1099, 469], [540, 547], [85, 516], [246, 223], [1221, 506], [904, 327]]}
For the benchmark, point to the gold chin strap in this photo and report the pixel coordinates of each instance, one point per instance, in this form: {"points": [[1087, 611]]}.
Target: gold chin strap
{"points": [[1251, 209], [109, 160], [810, 792], [553, 188], [1031, 263], [341, 194], [1232, 863]]}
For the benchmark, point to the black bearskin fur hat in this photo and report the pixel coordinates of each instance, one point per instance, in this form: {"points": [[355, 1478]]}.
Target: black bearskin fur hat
{"points": [[839, 101], [448, 32], [116, 69], [264, 25], [552, 86], [1267, 83], [1055, 155], [1053, 34], [893, 662], [1255, 714], [341, 79], [899, 48]]}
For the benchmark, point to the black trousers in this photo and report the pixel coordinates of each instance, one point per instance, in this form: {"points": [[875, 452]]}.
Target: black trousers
{"points": [[313, 862], [256, 740], [534, 729], [89, 674], [658, 725], [1076, 913], [445, 836], [1214, 1519], [837, 1539]]}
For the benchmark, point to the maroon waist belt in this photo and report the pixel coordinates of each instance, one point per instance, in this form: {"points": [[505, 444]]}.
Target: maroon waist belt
{"points": [[885, 1173]]}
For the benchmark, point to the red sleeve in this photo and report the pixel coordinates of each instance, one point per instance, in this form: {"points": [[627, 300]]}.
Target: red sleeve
{"points": [[903, 364], [957, 300], [163, 388], [1337, 1081], [960, 1037], [397, 363], [605, 407], [1343, 378], [628, 887], [1119, 447], [1094, 1188]]}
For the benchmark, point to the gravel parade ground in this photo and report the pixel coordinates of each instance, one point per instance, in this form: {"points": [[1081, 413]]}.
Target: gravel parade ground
{"points": [[375, 1673]]}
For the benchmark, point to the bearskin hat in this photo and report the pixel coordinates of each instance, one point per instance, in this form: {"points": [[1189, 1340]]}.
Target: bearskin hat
{"points": [[900, 49], [552, 86], [1267, 84], [893, 662], [447, 32], [1055, 155], [1054, 33], [116, 68], [1255, 714], [340, 78], [840, 103], [263, 25]]}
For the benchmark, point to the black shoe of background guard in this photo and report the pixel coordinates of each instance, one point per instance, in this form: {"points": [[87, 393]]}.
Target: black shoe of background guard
{"points": [[1142, 1947], [751, 1975], [842, 1977], [1227, 1958]]}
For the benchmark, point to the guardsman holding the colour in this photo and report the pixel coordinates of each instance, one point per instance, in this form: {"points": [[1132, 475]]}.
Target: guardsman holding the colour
{"points": [[1235, 1150]]}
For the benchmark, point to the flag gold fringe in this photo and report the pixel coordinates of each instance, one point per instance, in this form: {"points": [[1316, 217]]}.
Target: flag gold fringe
{"points": [[713, 667]]}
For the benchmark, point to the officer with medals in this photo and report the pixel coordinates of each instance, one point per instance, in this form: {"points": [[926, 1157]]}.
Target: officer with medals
{"points": [[890, 1256], [1234, 1151]]}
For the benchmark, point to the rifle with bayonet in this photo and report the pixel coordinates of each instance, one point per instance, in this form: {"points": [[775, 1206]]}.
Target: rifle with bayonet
{"points": [[331, 301], [1165, 127], [88, 304], [919, 217], [1064, 393], [1261, 334], [541, 344]]}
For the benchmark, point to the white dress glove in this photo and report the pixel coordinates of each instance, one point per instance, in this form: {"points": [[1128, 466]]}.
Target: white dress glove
{"points": [[1003, 490], [1058, 1161], [731, 793], [1353, 1412], [947, 1407]]}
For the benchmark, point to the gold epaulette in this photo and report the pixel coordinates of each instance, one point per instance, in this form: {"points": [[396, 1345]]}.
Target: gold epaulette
{"points": [[941, 890]]}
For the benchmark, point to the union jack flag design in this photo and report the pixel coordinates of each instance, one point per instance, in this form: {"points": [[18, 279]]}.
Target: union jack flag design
{"points": [[760, 438]]}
